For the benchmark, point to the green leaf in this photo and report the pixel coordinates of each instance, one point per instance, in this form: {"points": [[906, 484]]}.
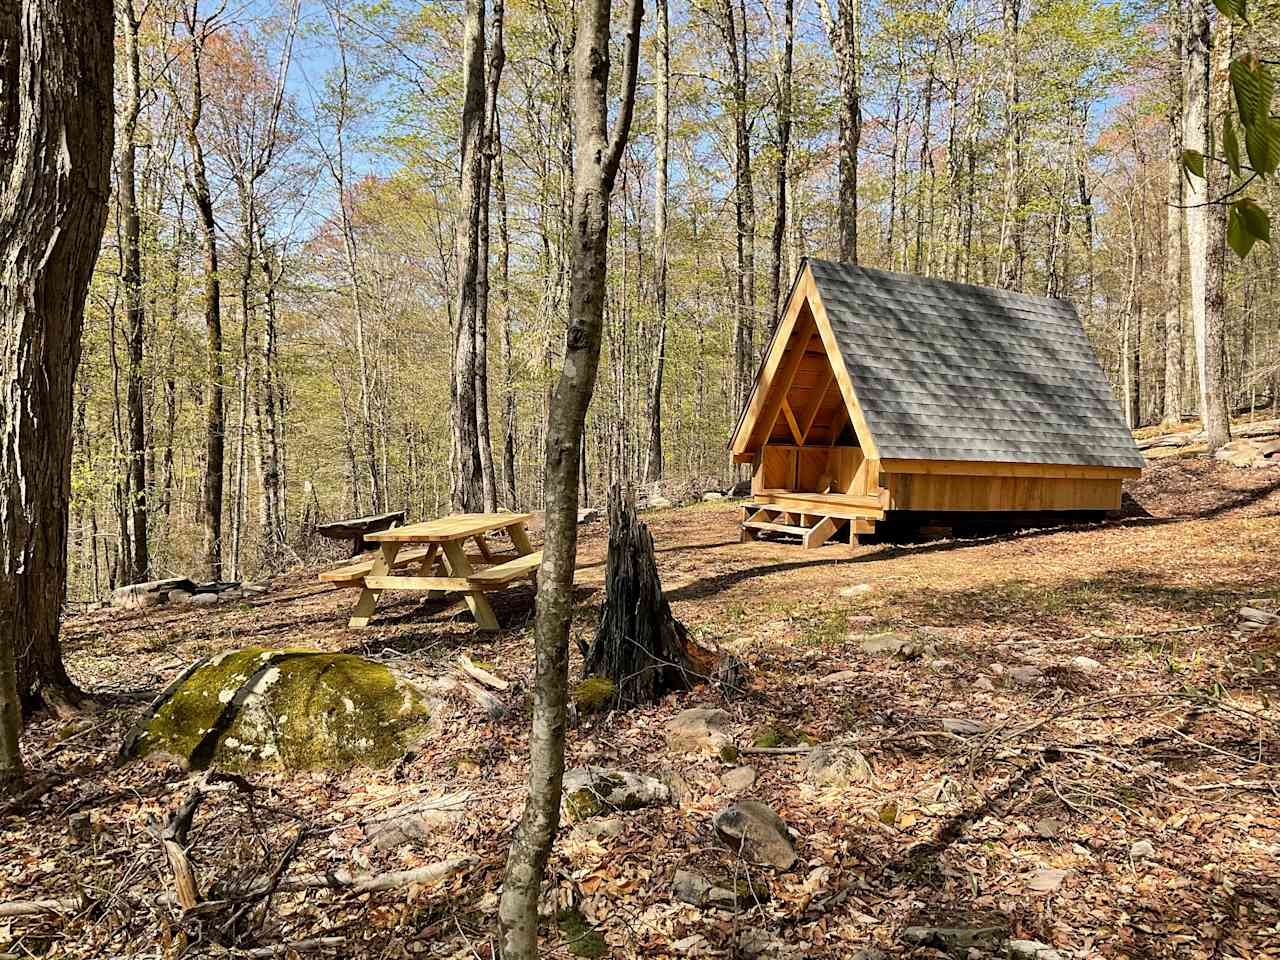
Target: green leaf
{"points": [[1238, 233], [1255, 217], [1230, 144], [1193, 162], [1262, 142], [1230, 8], [1253, 86]]}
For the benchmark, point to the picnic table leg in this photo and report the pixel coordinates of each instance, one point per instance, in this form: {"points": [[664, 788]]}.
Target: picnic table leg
{"points": [[428, 565], [368, 601], [518, 536], [456, 555]]}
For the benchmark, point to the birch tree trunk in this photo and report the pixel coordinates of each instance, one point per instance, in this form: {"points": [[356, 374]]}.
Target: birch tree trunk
{"points": [[1206, 226], [597, 155], [1173, 337], [468, 484], [56, 133], [662, 106]]}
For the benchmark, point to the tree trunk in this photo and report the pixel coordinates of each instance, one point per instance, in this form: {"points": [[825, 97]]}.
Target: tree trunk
{"points": [[1173, 337], [1206, 226], [56, 133], [784, 153], [639, 644], [131, 275], [468, 487], [597, 155], [497, 57], [662, 106], [508, 371], [1011, 254], [845, 35]]}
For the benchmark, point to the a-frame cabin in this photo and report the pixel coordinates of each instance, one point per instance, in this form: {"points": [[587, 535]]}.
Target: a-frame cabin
{"points": [[885, 396]]}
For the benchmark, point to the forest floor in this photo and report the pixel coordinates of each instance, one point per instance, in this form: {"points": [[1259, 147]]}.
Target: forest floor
{"points": [[1030, 827]]}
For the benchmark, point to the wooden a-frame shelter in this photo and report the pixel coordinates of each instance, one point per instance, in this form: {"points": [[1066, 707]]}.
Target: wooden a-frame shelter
{"points": [[883, 394]]}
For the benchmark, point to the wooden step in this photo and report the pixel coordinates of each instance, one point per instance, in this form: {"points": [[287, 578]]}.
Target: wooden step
{"points": [[776, 527]]}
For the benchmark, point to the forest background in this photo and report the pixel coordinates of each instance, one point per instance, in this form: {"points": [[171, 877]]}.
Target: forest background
{"points": [[274, 332]]}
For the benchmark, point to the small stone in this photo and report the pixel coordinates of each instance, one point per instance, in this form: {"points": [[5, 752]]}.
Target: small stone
{"points": [[832, 765], [856, 589], [678, 785], [1032, 950], [757, 832], [1046, 880], [711, 496], [952, 938], [257, 589], [588, 515], [1142, 850], [738, 780], [203, 599], [839, 677], [1047, 828], [699, 730], [690, 887], [869, 953], [963, 727], [888, 645], [1025, 674], [593, 791], [179, 596], [982, 683], [658, 503], [605, 828], [1085, 664]]}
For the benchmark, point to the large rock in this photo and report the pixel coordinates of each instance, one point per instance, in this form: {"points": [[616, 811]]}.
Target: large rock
{"points": [[593, 791], [757, 832], [136, 596], [833, 765], [283, 708], [700, 730], [694, 888], [738, 780]]}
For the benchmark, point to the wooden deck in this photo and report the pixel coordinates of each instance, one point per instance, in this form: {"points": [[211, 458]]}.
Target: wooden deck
{"points": [[816, 518]]}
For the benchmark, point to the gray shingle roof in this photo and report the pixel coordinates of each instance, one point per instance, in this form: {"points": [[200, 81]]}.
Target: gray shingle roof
{"points": [[950, 371]]}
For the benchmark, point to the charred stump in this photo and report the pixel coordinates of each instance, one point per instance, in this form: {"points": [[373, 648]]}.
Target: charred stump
{"points": [[639, 645]]}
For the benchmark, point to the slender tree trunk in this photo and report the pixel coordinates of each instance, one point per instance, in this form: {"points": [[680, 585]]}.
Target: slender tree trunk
{"points": [[274, 534], [1173, 336], [1206, 227], [131, 257], [508, 370], [784, 155], [56, 133], [497, 57], [1011, 253], [468, 491], [215, 413], [598, 154], [662, 105]]}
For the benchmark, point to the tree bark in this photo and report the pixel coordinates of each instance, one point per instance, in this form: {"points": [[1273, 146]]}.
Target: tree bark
{"points": [[508, 370], [131, 276], [845, 35], [215, 413], [1012, 254], [1173, 336], [468, 484], [784, 154], [597, 154], [662, 106], [1206, 223], [56, 136]]}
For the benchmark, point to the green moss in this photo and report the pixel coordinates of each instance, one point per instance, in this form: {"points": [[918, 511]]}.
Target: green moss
{"points": [[782, 735], [581, 939], [585, 802], [729, 753], [290, 708], [593, 694]]}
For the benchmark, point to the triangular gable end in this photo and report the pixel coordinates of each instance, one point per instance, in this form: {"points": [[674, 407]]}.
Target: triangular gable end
{"points": [[789, 361]]}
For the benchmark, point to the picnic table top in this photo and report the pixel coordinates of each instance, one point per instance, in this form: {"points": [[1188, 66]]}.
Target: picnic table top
{"points": [[459, 526]]}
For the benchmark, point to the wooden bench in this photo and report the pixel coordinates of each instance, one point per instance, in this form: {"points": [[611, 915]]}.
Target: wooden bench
{"points": [[509, 572], [353, 574]]}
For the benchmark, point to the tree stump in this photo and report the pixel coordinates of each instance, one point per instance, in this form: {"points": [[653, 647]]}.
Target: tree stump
{"points": [[639, 644]]}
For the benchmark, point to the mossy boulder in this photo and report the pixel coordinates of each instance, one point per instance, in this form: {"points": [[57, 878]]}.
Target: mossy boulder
{"points": [[594, 694], [593, 791], [294, 709]]}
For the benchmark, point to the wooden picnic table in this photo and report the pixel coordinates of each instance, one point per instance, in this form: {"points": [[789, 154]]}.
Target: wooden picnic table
{"points": [[436, 549]]}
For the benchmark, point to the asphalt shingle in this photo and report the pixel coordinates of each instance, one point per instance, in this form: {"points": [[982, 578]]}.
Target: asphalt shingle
{"points": [[951, 371]]}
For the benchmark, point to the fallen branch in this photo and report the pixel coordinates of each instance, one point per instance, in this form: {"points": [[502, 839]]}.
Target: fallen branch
{"points": [[31, 908], [172, 835], [350, 882], [485, 700], [483, 676], [777, 751], [293, 946]]}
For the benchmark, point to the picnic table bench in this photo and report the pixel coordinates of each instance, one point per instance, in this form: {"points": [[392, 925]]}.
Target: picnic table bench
{"points": [[431, 557]]}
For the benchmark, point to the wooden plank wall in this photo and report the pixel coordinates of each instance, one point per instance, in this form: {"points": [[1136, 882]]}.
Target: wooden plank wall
{"points": [[808, 469], [915, 491]]}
